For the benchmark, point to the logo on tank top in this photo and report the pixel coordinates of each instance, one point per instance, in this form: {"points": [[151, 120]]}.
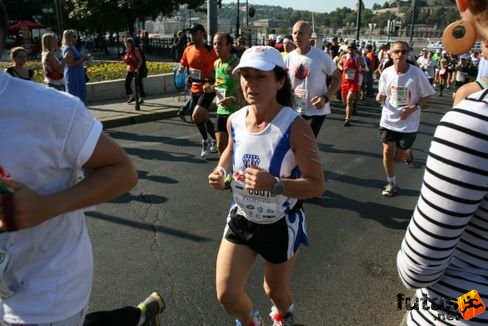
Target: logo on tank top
{"points": [[250, 159]]}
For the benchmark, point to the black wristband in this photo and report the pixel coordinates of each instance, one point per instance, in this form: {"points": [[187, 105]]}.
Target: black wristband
{"points": [[326, 98]]}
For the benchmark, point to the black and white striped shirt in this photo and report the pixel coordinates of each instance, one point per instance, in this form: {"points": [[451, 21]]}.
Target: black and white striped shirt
{"points": [[445, 250]]}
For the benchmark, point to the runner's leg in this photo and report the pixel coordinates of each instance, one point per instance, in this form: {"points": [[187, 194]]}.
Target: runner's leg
{"points": [[233, 265]]}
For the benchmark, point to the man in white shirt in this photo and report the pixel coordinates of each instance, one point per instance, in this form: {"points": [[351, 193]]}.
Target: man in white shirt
{"points": [[403, 89], [47, 139], [308, 68], [427, 65]]}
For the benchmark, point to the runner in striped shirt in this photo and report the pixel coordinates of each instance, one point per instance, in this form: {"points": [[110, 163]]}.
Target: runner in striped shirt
{"points": [[444, 253]]}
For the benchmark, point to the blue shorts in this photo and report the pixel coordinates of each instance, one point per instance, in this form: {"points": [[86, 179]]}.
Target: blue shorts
{"points": [[276, 242]]}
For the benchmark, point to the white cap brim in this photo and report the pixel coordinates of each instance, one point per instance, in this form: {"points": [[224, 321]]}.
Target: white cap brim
{"points": [[254, 63]]}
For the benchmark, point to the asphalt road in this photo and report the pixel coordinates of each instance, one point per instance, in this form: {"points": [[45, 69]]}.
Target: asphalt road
{"points": [[165, 234]]}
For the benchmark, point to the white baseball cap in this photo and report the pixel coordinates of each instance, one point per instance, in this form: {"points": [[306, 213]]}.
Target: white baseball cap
{"points": [[263, 58]]}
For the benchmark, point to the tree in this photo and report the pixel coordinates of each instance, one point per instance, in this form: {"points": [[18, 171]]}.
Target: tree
{"points": [[24, 9], [104, 14]]}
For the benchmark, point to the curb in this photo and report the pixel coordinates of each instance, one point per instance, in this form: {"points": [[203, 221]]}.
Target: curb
{"points": [[142, 117]]}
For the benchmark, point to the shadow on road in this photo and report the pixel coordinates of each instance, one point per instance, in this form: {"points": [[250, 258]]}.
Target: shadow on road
{"points": [[389, 216], [148, 227]]}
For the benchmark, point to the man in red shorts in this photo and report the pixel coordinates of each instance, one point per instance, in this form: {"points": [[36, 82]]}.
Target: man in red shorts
{"points": [[351, 67]]}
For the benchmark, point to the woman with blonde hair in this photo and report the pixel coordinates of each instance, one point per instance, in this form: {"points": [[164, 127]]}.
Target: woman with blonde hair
{"points": [[18, 55], [444, 255], [52, 66], [74, 72]]}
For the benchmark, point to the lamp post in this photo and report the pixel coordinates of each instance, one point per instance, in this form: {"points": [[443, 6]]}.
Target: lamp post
{"points": [[358, 20], [247, 13], [238, 25], [413, 22]]}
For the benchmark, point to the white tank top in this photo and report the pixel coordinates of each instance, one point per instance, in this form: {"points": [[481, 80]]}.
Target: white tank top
{"points": [[270, 150]]}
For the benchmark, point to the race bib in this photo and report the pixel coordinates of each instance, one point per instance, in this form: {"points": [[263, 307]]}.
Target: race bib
{"points": [[256, 205], [399, 96], [220, 94], [196, 74], [350, 74], [301, 99]]}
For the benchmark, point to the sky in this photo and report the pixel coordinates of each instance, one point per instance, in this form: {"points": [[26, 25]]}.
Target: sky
{"points": [[311, 5]]}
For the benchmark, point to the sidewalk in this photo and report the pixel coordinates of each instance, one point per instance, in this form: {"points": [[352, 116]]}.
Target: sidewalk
{"points": [[117, 113]]}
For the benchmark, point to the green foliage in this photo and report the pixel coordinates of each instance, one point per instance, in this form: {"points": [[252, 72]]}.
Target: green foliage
{"points": [[102, 70]]}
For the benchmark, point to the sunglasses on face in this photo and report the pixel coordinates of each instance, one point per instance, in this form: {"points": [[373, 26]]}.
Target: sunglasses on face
{"points": [[400, 51]]}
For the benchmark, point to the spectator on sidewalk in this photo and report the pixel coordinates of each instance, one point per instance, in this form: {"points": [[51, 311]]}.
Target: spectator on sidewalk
{"points": [[134, 61], [74, 72], [52, 67], [181, 45], [18, 55]]}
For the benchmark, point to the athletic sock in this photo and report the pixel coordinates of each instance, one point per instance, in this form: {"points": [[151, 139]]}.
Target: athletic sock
{"points": [[392, 180]]}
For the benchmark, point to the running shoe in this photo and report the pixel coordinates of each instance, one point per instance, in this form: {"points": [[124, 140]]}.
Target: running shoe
{"points": [[204, 148], [213, 146], [347, 123], [256, 319], [131, 99], [151, 308], [279, 320], [389, 190]]}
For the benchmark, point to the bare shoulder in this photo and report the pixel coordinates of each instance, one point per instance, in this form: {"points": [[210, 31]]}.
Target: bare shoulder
{"points": [[464, 91], [301, 134]]}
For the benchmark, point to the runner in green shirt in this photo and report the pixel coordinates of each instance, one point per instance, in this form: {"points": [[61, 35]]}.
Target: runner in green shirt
{"points": [[225, 86]]}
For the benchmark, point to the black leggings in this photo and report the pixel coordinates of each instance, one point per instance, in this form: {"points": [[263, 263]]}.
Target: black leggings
{"points": [[128, 82]]}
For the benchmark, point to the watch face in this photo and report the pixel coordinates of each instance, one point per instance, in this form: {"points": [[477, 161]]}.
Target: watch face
{"points": [[278, 188]]}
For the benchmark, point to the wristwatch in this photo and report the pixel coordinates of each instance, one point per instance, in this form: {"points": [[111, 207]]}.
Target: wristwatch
{"points": [[278, 187]]}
